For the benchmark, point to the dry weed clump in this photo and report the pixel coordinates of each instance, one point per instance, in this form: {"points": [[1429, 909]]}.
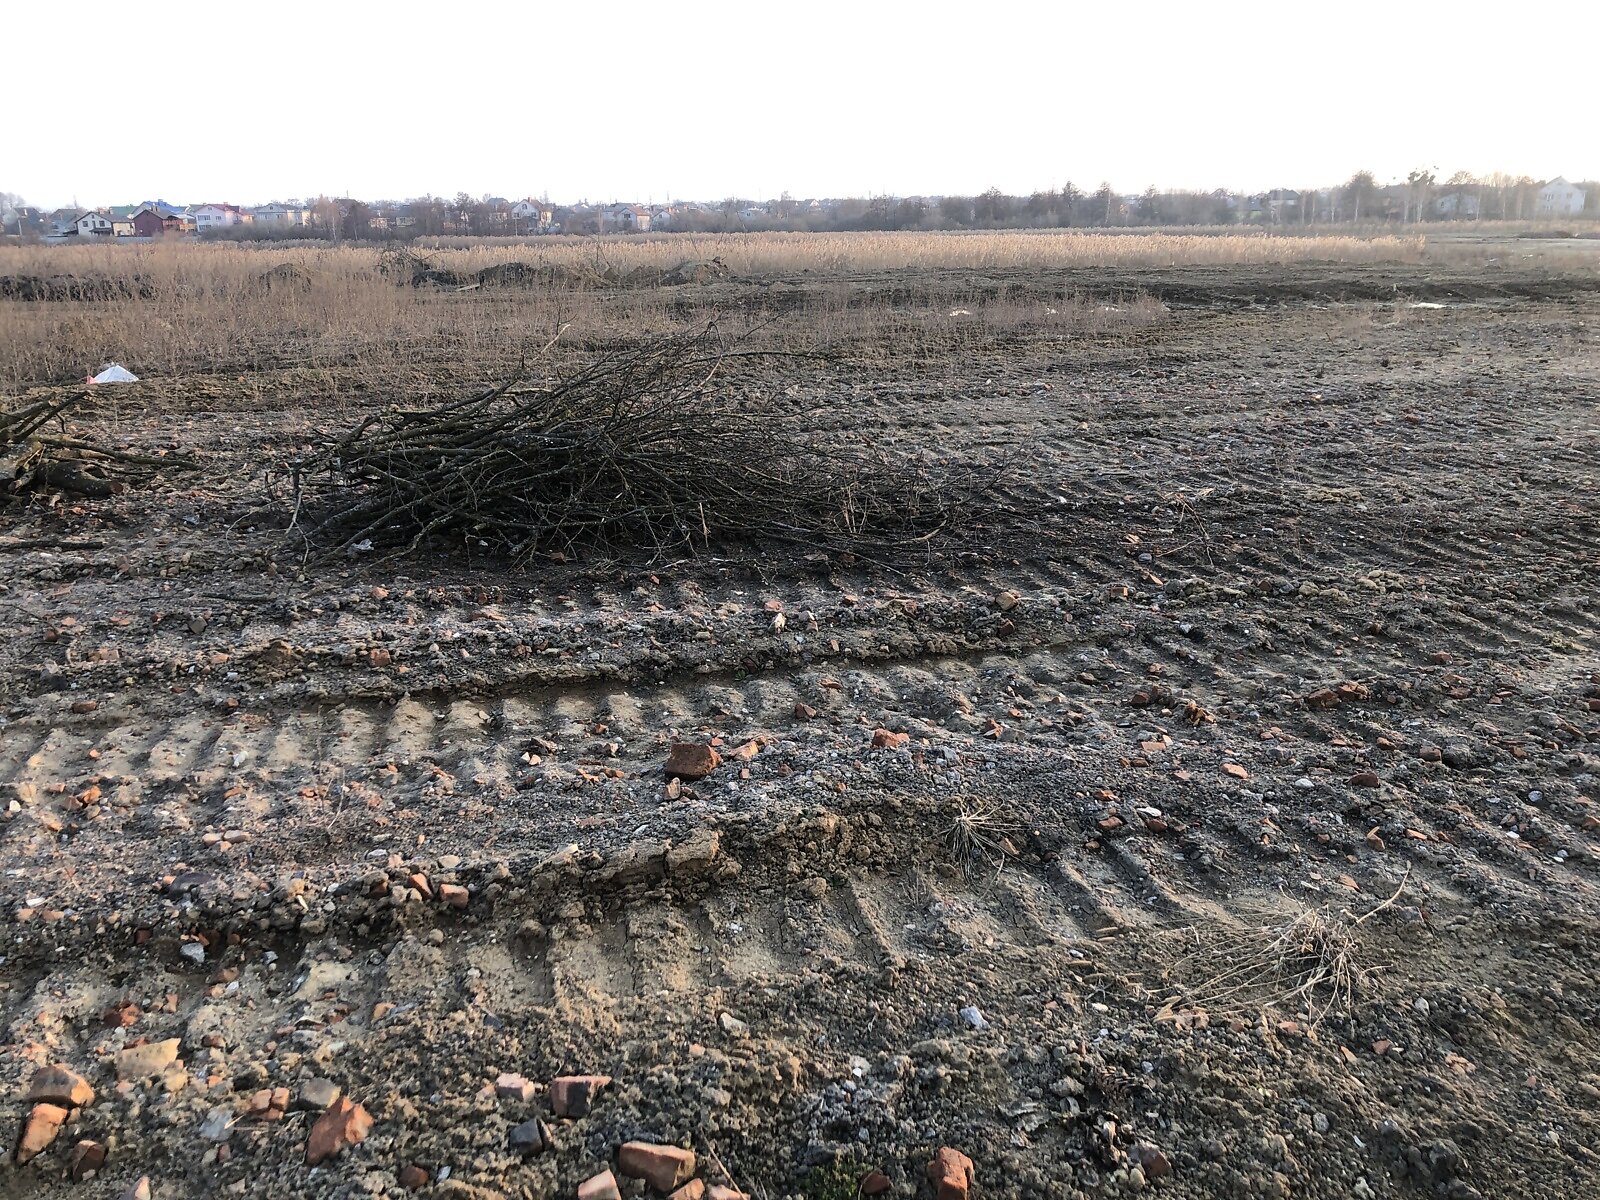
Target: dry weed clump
{"points": [[1311, 966]]}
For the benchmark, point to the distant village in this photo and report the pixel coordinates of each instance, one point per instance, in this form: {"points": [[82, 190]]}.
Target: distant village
{"points": [[1361, 199]]}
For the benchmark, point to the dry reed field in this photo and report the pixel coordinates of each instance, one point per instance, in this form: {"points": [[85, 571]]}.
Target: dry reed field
{"points": [[208, 307], [1110, 714]]}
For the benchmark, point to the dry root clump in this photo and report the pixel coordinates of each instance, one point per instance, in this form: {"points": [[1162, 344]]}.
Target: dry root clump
{"points": [[36, 453], [1310, 966], [980, 837], [645, 448]]}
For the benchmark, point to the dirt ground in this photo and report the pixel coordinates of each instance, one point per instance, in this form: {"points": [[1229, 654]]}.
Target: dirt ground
{"points": [[1244, 843]]}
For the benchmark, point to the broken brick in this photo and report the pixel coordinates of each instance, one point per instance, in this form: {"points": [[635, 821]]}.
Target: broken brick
{"points": [[662, 1167], [57, 1085], [570, 1095], [691, 761], [39, 1130], [342, 1126], [950, 1172]]}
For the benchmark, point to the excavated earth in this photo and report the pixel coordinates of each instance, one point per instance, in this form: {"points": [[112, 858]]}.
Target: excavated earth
{"points": [[1244, 842]]}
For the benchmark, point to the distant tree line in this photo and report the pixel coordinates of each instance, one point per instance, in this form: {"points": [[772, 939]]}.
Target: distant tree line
{"points": [[1421, 196]]}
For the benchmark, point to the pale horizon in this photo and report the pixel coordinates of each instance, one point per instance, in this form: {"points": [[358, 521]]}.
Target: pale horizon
{"points": [[833, 102]]}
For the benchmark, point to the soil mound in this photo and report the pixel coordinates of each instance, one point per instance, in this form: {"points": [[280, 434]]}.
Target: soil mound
{"points": [[531, 275], [74, 287], [686, 272]]}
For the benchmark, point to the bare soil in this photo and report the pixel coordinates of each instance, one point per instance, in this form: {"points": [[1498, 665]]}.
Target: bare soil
{"points": [[1249, 804]]}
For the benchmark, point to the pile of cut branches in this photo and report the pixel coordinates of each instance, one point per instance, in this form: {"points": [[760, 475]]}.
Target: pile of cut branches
{"points": [[647, 448]]}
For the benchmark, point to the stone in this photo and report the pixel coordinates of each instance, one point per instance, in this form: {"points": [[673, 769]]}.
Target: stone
{"points": [[317, 1095], [874, 1183], [695, 1189], [662, 1167], [1235, 770], [887, 739], [804, 711], [1365, 779], [721, 1191], [344, 1125], [138, 1190], [218, 1125], [39, 1130], [570, 1095], [60, 1086], [1007, 600], [151, 1058], [1151, 1160], [599, 1187], [454, 895], [413, 1177], [950, 1173], [87, 1158], [691, 761], [531, 1137], [514, 1087]]}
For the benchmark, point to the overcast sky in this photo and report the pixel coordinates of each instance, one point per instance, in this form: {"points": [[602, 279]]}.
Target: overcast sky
{"points": [[110, 103]]}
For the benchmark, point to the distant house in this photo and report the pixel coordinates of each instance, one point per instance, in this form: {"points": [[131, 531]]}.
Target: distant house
{"points": [[1558, 198], [22, 219], [92, 224], [661, 218], [533, 215], [122, 227], [281, 214], [1458, 205], [149, 223], [627, 218], [216, 216]]}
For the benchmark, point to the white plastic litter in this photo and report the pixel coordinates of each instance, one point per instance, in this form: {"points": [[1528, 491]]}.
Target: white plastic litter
{"points": [[115, 373]]}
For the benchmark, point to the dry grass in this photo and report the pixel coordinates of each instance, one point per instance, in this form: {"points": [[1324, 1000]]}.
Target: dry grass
{"points": [[842, 253], [210, 314]]}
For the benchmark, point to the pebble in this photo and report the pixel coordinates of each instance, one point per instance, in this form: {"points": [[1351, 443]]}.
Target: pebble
{"points": [[530, 1137], [218, 1125], [974, 1018], [317, 1095]]}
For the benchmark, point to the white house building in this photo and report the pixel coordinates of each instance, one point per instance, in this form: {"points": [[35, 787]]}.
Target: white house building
{"points": [[532, 214], [1558, 198], [93, 224], [214, 216], [281, 214]]}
